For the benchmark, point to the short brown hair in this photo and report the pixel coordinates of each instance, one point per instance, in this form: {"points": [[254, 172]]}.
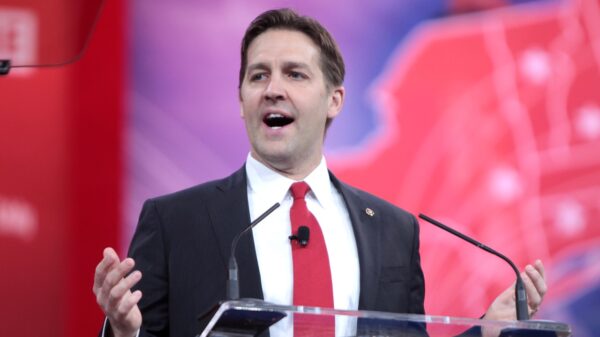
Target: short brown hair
{"points": [[332, 63]]}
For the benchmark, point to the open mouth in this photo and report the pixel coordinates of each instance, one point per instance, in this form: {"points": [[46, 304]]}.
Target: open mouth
{"points": [[275, 120]]}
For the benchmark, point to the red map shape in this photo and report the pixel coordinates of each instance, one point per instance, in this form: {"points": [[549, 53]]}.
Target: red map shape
{"points": [[490, 123]]}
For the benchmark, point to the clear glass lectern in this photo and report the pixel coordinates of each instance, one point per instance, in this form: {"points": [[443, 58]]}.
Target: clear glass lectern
{"points": [[253, 317]]}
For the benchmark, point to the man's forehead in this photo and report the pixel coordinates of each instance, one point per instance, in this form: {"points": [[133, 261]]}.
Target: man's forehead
{"points": [[284, 47], [283, 38]]}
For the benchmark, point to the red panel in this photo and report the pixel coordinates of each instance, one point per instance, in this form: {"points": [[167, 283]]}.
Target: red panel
{"points": [[60, 183], [33, 217], [95, 164]]}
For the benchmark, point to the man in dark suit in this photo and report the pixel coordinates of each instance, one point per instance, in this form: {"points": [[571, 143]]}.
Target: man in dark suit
{"points": [[290, 90]]}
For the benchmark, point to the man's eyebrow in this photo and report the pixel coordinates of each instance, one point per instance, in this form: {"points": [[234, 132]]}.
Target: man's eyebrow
{"points": [[286, 65], [257, 66], [292, 65]]}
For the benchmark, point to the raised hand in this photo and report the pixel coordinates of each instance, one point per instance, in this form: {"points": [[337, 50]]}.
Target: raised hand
{"points": [[112, 287], [503, 307]]}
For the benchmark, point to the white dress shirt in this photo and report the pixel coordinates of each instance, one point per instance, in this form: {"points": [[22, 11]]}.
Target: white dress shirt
{"points": [[273, 248]]}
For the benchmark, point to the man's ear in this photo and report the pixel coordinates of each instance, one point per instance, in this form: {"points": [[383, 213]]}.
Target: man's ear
{"points": [[336, 101], [240, 101], [241, 111]]}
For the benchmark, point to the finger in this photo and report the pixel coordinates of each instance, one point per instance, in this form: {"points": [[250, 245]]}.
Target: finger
{"points": [[537, 278], [533, 297], [109, 260], [115, 275], [540, 268], [128, 303], [122, 289]]}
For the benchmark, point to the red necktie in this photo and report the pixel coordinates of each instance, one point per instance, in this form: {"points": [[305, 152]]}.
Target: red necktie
{"points": [[312, 274]]}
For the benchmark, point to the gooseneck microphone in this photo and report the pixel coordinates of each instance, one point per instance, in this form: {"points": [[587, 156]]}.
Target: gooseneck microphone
{"points": [[233, 285], [301, 236], [520, 293]]}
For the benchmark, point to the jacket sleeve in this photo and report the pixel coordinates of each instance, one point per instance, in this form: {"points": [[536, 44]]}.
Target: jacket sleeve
{"points": [[417, 280], [149, 250]]}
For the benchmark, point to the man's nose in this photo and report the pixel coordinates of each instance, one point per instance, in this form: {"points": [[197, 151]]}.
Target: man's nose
{"points": [[275, 90]]}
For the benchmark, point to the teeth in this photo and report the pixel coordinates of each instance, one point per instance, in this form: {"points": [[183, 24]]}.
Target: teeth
{"points": [[276, 120]]}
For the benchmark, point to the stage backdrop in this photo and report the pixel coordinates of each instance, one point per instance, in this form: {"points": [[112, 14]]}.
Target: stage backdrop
{"points": [[484, 114]]}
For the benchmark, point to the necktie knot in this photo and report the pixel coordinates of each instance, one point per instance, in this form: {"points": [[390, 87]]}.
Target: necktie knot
{"points": [[299, 190]]}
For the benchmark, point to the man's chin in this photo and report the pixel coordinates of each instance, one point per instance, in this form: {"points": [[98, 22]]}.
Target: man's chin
{"points": [[274, 159]]}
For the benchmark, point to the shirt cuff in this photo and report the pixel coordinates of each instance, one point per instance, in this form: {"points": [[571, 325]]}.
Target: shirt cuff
{"points": [[137, 334]]}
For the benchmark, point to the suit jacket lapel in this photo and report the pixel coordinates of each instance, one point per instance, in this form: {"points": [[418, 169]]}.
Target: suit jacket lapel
{"points": [[229, 216], [367, 235]]}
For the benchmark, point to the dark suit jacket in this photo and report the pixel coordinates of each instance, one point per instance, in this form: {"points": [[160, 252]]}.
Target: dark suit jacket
{"points": [[182, 244]]}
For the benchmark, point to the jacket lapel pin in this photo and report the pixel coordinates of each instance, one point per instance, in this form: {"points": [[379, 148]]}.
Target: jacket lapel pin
{"points": [[369, 211]]}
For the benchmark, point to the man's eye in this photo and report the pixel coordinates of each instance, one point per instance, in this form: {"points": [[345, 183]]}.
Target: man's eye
{"points": [[258, 77], [297, 75]]}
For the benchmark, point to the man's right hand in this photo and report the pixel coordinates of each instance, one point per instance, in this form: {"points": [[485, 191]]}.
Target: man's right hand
{"points": [[112, 287]]}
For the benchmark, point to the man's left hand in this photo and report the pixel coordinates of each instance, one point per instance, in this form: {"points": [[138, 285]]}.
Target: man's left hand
{"points": [[504, 306]]}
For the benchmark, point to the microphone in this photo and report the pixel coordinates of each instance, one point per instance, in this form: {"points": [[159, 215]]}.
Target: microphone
{"points": [[301, 236], [233, 285], [520, 293]]}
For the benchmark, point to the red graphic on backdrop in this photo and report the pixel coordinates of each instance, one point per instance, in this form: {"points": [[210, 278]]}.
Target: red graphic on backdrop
{"points": [[18, 218], [18, 35], [491, 123]]}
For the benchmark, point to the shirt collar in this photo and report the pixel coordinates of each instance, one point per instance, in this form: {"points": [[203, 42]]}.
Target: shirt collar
{"points": [[267, 184], [274, 187], [320, 184]]}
